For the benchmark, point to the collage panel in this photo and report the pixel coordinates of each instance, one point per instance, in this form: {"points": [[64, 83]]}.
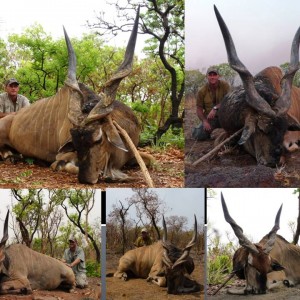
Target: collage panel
{"points": [[252, 243], [50, 244], [100, 97], [242, 90], [155, 244]]}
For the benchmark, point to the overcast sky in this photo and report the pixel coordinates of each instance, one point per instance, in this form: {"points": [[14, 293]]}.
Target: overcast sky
{"points": [[17, 15], [6, 199], [254, 210], [181, 202], [262, 32]]}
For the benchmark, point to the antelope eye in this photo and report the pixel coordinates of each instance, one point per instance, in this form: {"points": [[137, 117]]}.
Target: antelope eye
{"points": [[278, 151]]}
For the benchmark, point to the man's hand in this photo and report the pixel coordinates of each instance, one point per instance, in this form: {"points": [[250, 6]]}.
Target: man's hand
{"points": [[206, 125], [211, 114]]}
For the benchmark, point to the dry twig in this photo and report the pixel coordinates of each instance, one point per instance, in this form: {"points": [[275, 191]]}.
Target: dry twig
{"points": [[217, 148], [136, 154]]}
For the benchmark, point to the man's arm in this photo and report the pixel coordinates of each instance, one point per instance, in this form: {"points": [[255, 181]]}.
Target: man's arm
{"points": [[202, 117], [2, 115], [74, 263]]}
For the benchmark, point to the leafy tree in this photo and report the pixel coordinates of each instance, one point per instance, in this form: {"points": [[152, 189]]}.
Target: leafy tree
{"points": [[119, 215], [175, 225], [296, 80], [28, 212], [41, 62], [194, 79], [82, 201], [227, 73], [148, 205], [164, 22]]}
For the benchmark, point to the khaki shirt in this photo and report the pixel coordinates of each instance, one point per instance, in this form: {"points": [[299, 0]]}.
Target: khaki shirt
{"points": [[70, 256], [7, 106], [205, 97]]}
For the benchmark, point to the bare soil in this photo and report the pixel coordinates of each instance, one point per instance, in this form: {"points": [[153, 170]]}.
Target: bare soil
{"points": [[231, 167], [283, 293], [136, 289], [167, 171], [92, 292]]}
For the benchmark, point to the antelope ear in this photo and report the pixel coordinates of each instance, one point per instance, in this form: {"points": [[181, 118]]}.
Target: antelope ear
{"points": [[248, 130], [114, 137], [67, 147], [293, 124]]}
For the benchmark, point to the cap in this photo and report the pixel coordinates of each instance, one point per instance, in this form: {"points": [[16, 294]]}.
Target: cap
{"points": [[144, 230], [10, 81], [212, 70], [72, 238]]}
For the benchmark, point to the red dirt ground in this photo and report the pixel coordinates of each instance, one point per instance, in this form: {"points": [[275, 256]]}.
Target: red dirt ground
{"points": [[166, 172], [235, 168], [137, 289], [91, 293]]}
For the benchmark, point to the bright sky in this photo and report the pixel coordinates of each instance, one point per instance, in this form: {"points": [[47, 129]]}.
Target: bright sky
{"points": [[254, 210], [6, 198], [52, 15], [181, 202], [262, 32]]}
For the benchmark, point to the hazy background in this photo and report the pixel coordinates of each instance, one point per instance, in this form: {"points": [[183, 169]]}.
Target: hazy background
{"points": [[262, 32], [17, 15], [180, 201], [254, 210]]}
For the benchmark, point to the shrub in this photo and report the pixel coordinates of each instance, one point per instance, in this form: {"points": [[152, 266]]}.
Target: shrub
{"points": [[92, 268]]}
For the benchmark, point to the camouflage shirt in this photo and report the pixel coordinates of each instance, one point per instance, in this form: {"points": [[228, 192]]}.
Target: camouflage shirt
{"points": [[7, 106], [207, 99], [140, 242], [70, 256]]}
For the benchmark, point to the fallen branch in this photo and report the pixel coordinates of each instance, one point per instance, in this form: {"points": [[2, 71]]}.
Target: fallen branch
{"points": [[136, 154], [230, 276], [217, 148]]}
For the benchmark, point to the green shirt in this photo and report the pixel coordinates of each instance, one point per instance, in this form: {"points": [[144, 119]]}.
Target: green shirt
{"points": [[207, 99], [70, 256], [7, 106]]}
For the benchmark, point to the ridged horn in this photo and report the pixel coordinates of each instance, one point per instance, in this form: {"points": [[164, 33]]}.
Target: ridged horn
{"points": [[72, 61], [253, 98], [74, 113], [110, 88], [5, 232], [188, 247], [165, 234], [238, 231], [283, 103], [272, 234]]}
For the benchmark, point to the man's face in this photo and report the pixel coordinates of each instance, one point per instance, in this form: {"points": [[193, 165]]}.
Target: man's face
{"points": [[12, 89], [72, 245], [213, 77], [144, 235]]}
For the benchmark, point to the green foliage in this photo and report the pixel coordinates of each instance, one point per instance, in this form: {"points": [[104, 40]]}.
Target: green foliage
{"points": [[296, 80], [172, 138], [218, 269], [40, 63], [219, 261], [194, 79], [18, 179], [92, 269]]}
